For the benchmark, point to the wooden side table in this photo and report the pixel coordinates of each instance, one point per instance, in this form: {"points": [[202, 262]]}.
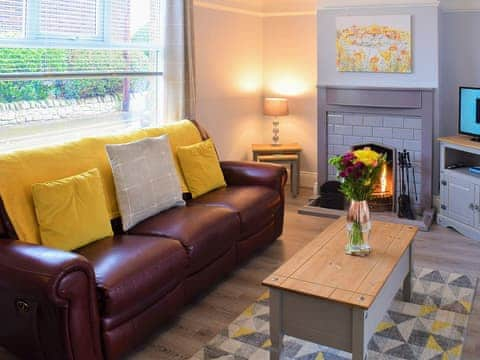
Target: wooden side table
{"points": [[286, 154]]}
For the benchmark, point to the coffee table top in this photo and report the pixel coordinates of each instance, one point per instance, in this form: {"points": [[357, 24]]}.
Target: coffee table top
{"points": [[322, 269]]}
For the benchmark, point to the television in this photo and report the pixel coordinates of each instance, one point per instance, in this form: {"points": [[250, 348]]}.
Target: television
{"points": [[469, 112]]}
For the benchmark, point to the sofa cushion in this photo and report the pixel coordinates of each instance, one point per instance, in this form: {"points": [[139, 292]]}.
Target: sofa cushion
{"points": [[201, 167], [146, 181], [180, 133], [206, 232], [134, 272], [64, 206], [256, 205]]}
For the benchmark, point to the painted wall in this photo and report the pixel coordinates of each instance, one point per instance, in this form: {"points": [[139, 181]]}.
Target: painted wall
{"points": [[460, 66], [257, 56], [425, 49], [229, 56], [290, 67]]}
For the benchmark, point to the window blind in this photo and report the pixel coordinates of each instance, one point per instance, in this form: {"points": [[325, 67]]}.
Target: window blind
{"points": [[12, 19], [73, 18], [137, 22], [90, 36]]}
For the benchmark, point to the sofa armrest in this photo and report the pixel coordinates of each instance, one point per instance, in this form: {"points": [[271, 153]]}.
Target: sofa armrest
{"points": [[48, 303], [254, 173]]}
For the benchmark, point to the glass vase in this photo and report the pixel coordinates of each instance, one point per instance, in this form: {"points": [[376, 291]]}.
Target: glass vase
{"points": [[358, 229]]}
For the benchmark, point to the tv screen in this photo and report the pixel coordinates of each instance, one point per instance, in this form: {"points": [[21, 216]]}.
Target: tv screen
{"points": [[469, 122]]}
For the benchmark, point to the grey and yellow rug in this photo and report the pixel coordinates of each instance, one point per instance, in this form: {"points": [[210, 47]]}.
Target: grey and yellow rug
{"points": [[432, 327]]}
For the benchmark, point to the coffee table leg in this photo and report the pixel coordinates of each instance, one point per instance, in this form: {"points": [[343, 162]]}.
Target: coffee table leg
{"points": [[276, 330], [359, 346], [407, 283]]}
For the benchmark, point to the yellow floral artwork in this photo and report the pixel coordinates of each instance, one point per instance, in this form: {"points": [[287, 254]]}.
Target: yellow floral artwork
{"points": [[374, 44]]}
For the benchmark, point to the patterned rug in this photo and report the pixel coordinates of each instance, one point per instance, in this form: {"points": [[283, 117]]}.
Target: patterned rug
{"points": [[432, 327]]}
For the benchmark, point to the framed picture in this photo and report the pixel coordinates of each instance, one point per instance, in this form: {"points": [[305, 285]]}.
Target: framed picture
{"points": [[374, 43]]}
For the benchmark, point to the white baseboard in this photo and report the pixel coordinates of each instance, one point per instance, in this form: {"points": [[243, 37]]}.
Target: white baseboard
{"points": [[308, 179]]}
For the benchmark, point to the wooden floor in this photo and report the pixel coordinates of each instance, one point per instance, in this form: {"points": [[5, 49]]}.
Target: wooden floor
{"points": [[200, 322]]}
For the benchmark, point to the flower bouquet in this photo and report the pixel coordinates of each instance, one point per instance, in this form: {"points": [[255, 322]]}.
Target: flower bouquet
{"points": [[358, 172]]}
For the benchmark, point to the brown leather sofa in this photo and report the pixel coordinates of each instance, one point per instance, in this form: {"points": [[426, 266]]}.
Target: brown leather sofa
{"points": [[105, 299]]}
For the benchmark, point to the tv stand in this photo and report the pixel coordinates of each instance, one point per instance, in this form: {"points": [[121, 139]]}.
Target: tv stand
{"points": [[460, 188]]}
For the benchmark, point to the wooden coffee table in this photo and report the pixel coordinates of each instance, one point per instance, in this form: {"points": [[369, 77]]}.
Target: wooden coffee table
{"points": [[327, 297]]}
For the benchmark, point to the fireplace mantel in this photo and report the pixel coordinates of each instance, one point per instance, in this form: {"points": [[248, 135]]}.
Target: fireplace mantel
{"points": [[395, 102]]}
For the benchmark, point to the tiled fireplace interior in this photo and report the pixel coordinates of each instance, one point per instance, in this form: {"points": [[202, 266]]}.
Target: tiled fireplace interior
{"points": [[347, 130]]}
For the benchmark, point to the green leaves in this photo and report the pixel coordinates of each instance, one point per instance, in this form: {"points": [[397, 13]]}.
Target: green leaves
{"points": [[43, 60]]}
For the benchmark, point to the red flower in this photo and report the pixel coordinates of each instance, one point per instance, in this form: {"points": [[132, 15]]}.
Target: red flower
{"points": [[347, 159]]}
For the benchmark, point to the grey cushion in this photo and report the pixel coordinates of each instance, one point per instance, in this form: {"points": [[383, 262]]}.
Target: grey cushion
{"points": [[146, 181]]}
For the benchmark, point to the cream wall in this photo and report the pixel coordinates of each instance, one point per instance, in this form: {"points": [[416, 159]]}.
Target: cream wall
{"points": [[229, 66], [244, 53], [290, 70]]}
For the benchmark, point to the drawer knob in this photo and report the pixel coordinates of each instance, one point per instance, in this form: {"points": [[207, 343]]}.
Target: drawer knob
{"points": [[444, 207], [444, 183]]}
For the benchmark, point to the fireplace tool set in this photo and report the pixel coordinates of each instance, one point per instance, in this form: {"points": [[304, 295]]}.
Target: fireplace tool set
{"points": [[404, 204]]}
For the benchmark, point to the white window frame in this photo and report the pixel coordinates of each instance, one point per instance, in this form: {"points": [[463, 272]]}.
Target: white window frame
{"points": [[34, 38]]}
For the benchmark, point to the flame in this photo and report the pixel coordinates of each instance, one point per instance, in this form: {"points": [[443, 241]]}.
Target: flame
{"points": [[383, 179]]}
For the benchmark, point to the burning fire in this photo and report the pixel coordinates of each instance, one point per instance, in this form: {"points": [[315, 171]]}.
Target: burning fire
{"points": [[383, 179]]}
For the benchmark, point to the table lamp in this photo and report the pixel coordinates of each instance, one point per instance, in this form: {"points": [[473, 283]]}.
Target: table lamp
{"points": [[275, 107]]}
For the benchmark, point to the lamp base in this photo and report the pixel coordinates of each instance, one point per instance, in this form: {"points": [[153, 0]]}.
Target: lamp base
{"points": [[276, 132]]}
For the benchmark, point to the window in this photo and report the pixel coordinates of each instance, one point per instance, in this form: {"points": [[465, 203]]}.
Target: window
{"points": [[71, 68], [74, 18], [12, 19]]}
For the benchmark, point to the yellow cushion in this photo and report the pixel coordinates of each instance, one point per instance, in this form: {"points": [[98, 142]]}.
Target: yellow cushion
{"points": [[201, 168], [72, 211], [180, 133]]}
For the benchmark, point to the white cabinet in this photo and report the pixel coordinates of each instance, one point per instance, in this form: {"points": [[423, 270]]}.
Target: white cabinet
{"points": [[459, 188], [458, 199]]}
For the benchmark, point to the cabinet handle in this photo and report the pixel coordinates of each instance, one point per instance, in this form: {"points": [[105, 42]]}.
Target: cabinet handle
{"points": [[444, 183], [444, 207], [471, 206]]}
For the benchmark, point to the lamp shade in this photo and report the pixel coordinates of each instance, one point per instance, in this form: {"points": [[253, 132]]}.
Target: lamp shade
{"points": [[275, 107]]}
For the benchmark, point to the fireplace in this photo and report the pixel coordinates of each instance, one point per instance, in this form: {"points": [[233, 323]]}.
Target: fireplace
{"points": [[388, 120], [384, 193]]}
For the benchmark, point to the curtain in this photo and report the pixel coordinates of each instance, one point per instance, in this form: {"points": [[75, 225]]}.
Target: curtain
{"points": [[179, 61]]}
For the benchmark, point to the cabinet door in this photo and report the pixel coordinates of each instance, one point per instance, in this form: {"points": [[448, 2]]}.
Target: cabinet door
{"points": [[461, 200], [443, 194], [477, 207]]}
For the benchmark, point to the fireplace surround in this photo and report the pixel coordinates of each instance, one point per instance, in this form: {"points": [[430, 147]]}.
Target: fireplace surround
{"points": [[395, 118]]}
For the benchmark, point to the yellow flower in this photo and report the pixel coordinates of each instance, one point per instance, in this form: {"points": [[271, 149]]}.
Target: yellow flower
{"points": [[387, 55], [367, 156]]}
